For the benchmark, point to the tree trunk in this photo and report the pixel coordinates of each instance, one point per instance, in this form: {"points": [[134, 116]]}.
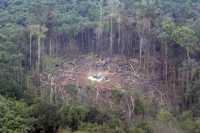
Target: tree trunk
{"points": [[119, 33], [30, 49], [52, 89], [50, 48], [166, 63], [188, 56], [141, 47], [111, 37], [188, 71], [39, 53]]}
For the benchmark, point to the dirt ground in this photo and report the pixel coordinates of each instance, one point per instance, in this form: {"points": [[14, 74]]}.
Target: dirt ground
{"points": [[115, 71]]}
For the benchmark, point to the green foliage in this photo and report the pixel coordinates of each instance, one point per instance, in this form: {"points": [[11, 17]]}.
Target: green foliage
{"points": [[93, 128], [139, 107], [73, 116], [37, 30], [168, 25], [170, 20], [164, 116], [88, 127], [63, 131], [46, 117], [142, 127], [192, 95], [12, 73], [71, 89], [14, 116], [117, 94], [96, 116], [167, 28], [82, 132], [50, 63], [188, 123], [191, 126], [185, 37], [136, 130], [146, 127], [185, 115], [11, 81]]}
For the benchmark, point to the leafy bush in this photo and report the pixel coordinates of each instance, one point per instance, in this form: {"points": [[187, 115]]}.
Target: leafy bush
{"points": [[82, 132], [71, 89], [14, 117], [73, 116], [50, 63], [94, 128], [164, 116], [136, 130], [117, 94], [139, 107], [142, 127], [46, 117], [95, 116], [188, 123], [11, 85]]}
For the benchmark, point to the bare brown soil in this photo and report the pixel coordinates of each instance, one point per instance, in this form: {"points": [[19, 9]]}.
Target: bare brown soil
{"points": [[116, 71]]}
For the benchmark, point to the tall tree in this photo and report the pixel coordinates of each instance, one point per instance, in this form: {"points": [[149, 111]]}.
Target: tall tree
{"points": [[39, 31], [165, 36], [186, 37]]}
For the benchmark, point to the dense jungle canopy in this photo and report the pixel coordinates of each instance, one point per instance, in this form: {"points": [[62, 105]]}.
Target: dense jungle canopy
{"points": [[99, 66]]}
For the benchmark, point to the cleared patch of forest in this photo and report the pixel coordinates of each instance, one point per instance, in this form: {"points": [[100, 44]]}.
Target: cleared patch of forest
{"points": [[105, 66]]}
